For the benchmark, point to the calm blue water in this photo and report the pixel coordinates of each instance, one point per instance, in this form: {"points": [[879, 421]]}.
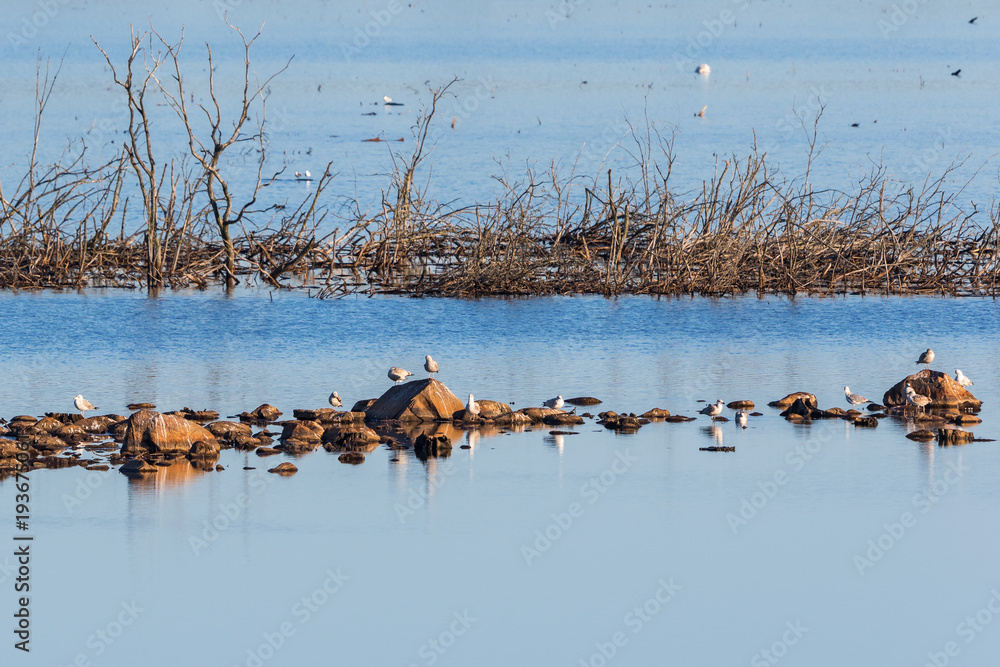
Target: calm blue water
{"points": [[822, 545], [412, 544], [543, 84]]}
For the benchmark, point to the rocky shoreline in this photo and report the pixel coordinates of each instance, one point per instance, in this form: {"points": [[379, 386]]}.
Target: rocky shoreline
{"points": [[422, 415]]}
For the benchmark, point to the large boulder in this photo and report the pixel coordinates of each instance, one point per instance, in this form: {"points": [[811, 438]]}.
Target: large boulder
{"points": [[150, 431], [941, 388], [418, 401]]}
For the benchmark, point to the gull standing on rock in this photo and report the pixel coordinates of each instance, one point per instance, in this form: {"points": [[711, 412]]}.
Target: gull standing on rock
{"points": [[555, 403], [854, 399], [83, 404], [713, 410], [962, 379], [430, 365], [397, 374], [913, 398], [472, 408], [335, 400], [926, 358]]}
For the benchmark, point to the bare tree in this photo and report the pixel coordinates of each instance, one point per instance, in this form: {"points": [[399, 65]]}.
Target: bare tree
{"points": [[208, 152]]}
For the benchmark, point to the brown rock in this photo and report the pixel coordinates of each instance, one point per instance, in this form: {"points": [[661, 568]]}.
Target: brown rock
{"points": [[141, 406], [808, 399], [739, 405], [100, 467], [656, 413], [539, 414], [47, 425], [204, 450], [262, 413], [70, 431], [350, 436], [427, 446], [800, 406], [583, 400], [679, 418], [362, 406], [921, 436], [562, 419], [137, 467], [352, 458], [940, 387], [416, 401], [98, 424], [512, 419], [48, 443], [295, 447], [150, 431], [717, 449], [305, 431], [492, 409], [954, 436], [284, 468], [621, 423], [319, 414], [227, 431], [267, 451], [866, 421], [199, 415], [967, 420]]}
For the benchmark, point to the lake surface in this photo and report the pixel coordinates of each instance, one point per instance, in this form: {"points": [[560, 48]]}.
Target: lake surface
{"points": [[398, 549], [545, 84], [821, 545]]}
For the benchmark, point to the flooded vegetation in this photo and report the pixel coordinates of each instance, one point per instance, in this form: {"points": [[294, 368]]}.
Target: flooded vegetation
{"points": [[149, 218]]}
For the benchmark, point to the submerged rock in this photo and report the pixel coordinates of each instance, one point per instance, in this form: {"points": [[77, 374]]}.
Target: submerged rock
{"points": [[621, 423], [228, 431], [923, 435], [801, 407], [866, 421], [656, 413], [352, 458], [416, 401], [562, 419], [284, 468], [954, 436], [513, 419], [427, 446], [583, 401], [941, 388], [137, 467], [679, 418], [740, 405]]}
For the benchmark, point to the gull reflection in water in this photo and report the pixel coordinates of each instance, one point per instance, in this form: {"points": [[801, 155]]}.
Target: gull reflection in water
{"points": [[715, 432]]}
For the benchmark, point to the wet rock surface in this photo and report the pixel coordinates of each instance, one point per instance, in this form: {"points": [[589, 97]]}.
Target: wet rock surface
{"points": [[941, 388], [416, 401]]}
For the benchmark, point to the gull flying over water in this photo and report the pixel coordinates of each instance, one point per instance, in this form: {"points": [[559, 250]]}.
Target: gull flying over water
{"points": [[335, 400], [397, 374], [430, 365], [926, 358], [854, 399], [713, 410], [83, 404], [555, 403], [962, 379]]}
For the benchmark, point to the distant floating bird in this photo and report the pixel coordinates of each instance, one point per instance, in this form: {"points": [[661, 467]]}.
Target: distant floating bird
{"points": [[962, 379], [926, 358], [397, 375], [389, 103], [713, 410], [957, 72], [430, 365], [83, 404], [854, 399], [855, 124], [472, 408], [973, 19], [387, 99], [703, 69], [555, 403], [741, 419], [701, 114], [335, 400], [303, 176]]}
